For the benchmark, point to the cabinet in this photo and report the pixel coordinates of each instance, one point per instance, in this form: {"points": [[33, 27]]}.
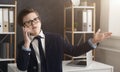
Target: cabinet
{"points": [[79, 25], [8, 31]]}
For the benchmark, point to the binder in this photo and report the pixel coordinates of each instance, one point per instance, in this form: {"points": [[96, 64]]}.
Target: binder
{"points": [[4, 48], [89, 20], [5, 19], [1, 21], [11, 50], [84, 17], [11, 20]]}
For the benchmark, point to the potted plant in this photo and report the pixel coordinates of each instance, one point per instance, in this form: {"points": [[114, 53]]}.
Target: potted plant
{"points": [[75, 26]]}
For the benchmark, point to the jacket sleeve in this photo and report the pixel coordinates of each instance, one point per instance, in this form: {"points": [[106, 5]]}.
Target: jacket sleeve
{"points": [[22, 58], [76, 50]]}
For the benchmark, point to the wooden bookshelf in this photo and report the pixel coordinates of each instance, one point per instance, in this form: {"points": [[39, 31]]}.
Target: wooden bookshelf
{"points": [[8, 17], [80, 14]]}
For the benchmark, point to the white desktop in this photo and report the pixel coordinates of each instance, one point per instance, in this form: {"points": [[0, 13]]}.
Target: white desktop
{"points": [[67, 67]]}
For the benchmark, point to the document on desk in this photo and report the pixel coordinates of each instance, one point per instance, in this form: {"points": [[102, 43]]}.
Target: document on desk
{"points": [[89, 57]]}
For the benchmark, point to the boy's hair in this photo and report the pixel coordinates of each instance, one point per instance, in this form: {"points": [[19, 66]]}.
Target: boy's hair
{"points": [[23, 13]]}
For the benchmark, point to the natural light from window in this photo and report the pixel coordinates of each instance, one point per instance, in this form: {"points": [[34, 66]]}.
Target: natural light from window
{"points": [[114, 17]]}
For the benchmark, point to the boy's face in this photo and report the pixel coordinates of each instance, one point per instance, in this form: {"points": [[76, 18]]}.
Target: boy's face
{"points": [[32, 22]]}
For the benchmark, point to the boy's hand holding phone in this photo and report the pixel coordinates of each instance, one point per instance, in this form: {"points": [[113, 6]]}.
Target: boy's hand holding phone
{"points": [[26, 34]]}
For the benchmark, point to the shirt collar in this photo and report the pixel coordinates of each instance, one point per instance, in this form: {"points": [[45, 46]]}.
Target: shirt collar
{"points": [[40, 34]]}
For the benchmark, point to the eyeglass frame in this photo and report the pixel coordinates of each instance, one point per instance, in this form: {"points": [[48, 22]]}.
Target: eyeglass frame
{"points": [[31, 22]]}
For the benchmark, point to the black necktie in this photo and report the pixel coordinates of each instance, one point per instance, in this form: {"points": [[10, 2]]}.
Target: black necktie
{"points": [[42, 55]]}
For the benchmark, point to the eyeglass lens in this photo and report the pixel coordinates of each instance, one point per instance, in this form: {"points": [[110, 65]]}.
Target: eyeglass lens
{"points": [[30, 22]]}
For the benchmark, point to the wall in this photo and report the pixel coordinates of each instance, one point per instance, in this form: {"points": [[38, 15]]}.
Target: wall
{"points": [[97, 14], [110, 15], [109, 50], [114, 21], [108, 56], [51, 12]]}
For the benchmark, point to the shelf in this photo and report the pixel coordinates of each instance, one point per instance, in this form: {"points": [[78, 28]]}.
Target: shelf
{"points": [[79, 32], [85, 17], [7, 59], [8, 42], [7, 32], [82, 7], [7, 5], [78, 57], [82, 56]]}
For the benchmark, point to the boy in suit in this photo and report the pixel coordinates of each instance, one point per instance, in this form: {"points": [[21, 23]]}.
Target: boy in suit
{"points": [[43, 52]]}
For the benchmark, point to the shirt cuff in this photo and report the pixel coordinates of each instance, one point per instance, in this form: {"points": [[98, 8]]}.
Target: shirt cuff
{"points": [[26, 49], [91, 43]]}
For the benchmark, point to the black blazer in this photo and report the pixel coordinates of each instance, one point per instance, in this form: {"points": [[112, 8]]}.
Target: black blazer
{"points": [[55, 46]]}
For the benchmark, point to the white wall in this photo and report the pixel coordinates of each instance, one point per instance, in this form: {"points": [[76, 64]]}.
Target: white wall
{"points": [[110, 16], [109, 56], [104, 15], [114, 17], [110, 21]]}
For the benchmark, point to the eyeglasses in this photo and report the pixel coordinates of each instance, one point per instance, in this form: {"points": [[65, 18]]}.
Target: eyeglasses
{"points": [[30, 22]]}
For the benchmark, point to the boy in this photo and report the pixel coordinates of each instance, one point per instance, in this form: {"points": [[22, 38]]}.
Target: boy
{"points": [[46, 56]]}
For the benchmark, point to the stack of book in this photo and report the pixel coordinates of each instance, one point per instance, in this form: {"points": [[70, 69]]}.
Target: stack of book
{"points": [[6, 50], [6, 20]]}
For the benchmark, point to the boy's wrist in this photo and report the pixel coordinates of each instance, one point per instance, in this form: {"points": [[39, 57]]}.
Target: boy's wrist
{"points": [[94, 41], [26, 45]]}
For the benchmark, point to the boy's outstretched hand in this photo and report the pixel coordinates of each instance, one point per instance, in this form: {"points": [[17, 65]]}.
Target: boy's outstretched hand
{"points": [[100, 36]]}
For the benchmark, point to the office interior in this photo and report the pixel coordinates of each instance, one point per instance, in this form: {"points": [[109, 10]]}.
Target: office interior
{"points": [[52, 17]]}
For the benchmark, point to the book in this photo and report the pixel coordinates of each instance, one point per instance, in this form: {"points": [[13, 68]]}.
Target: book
{"points": [[89, 20], [1, 21], [7, 46], [89, 57], [11, 51], [11, 20], [5, 19], [84, 17], [4, 50]]}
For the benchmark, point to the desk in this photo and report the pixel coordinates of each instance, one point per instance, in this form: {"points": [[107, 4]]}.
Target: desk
{"points": [[94, 67], [4, 63]]}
